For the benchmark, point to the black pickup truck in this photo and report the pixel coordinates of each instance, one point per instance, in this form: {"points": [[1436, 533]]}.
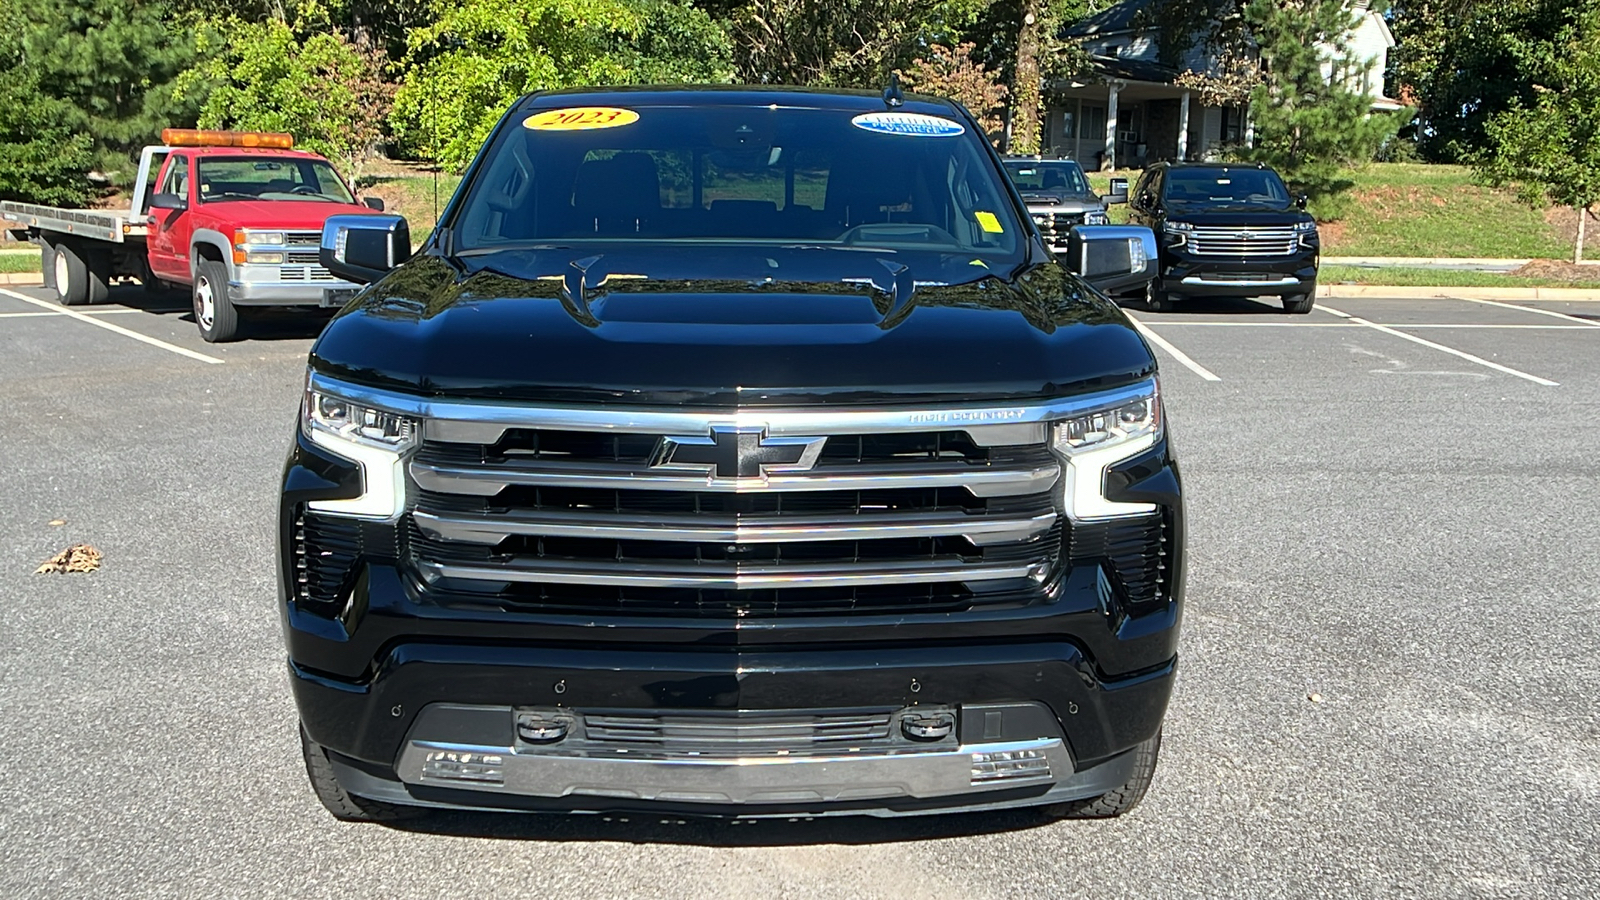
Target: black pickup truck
{"points": [[733, 452]]}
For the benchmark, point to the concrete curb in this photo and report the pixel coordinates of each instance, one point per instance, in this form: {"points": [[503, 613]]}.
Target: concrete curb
{"points": [[22, 278], [1335, 291], [1432, 262]]}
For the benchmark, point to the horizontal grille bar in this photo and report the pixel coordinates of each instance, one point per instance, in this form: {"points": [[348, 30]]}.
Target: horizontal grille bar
{"points": [[724, 575], [489, 479], [784, 731], [492, 529], [1243, 242]]}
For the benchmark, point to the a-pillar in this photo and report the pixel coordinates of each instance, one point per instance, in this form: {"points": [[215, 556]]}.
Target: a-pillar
{"points": [[1110, 161], [1183, 128]]}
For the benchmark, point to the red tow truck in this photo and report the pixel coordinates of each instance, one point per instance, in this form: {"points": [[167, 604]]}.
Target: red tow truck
{"points": [[235, 217]]}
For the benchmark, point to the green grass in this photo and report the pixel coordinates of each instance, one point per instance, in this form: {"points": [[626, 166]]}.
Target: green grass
{"points": [[1414, 209], [1403, 277], [12, 263], [409, 192]]}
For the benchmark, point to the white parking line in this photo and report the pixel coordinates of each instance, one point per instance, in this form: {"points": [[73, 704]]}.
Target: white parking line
{"points": [[1175, 322], [146, 339], [1440, 347], [1543, 312], [1176, 354], [87, 312]]}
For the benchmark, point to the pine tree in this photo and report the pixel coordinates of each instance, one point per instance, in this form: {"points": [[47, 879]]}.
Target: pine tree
{"points": [[1311, 112]]}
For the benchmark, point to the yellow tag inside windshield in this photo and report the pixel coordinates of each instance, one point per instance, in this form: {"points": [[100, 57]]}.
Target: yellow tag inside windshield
{"points": [[580, 118], [988, 222]]}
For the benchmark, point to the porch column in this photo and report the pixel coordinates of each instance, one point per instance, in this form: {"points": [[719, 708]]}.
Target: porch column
{"points": [[1183, 128], [1110, 161], [1249, 127]]}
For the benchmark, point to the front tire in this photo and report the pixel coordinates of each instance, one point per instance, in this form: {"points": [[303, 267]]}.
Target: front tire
{"points": [[1121, 800], [344, 805], [1158, 300], [76, 282], [216, 315], [1300, 304]]}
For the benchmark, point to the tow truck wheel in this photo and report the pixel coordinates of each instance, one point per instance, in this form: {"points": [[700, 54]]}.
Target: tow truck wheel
{"points": [[344, 805], [75, 282], [216, 315], [1114, 803], [1300, 304]]}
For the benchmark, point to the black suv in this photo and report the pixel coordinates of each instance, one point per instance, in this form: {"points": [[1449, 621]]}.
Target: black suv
{"points": [[736, 451], [1227, 229]]}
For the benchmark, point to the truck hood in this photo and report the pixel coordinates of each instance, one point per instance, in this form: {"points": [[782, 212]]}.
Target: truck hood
{"points": [[769, 327], [296, 215], [1061, 200], [1237, 216]]}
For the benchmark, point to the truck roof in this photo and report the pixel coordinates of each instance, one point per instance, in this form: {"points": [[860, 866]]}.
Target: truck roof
{"points": [[741, 95], [246, 151]]}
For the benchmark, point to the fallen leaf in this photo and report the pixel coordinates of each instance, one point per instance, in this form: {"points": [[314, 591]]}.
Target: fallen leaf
{"points": [[55, 522], [77, 558], [1314, 697]]}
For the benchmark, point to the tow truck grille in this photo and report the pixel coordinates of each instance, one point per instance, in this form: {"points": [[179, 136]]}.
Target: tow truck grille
{"points": [[583, 522], [1243, 241]]}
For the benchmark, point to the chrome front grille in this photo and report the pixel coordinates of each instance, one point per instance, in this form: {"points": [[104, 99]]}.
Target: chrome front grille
{"points": [[601, 521], [1247, 242], [1055, 226], [737, 735], [302, 239], [304, 273]]}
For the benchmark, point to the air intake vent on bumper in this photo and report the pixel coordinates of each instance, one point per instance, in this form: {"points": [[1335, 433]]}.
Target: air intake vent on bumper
{"points": [[1136, 554]]}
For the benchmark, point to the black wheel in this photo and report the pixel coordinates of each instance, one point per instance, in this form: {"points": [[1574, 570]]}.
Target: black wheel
{"points": [[344, 805], [76, 282], [1114, 803], [1158, 300], [1300, 304], [216, 315]]}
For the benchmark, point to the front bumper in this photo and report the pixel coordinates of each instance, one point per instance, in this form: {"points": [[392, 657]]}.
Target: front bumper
{"points": [[265, 285], [1210, 276], [372, 675]]}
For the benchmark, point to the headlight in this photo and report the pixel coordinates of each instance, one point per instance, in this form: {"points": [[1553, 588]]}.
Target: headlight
{"points": [[1178, 227], [263, 238], [264, 259], [1305, 227], [1092, 442], [375, 439], [1096, 217], [1042, 218]]}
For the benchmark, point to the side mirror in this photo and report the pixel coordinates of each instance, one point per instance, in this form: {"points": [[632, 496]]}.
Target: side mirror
{"points": [[1301, 201], [363, 249], [168, 201], [1112, 258], [1119, 191], [373, 203]]}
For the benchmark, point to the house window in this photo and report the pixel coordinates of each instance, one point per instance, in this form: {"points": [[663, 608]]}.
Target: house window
{"points": [[1232, 124]]}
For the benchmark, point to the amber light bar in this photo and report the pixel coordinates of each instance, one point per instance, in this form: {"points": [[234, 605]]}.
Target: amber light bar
{"points": [[194, 137]]}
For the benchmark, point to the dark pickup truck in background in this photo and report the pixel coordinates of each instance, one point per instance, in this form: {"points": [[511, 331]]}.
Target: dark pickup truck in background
{"points": [[738, 452], [1227, 229]]}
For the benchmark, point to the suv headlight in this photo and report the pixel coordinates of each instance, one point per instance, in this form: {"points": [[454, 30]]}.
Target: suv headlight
{"points": [[1096, 217], [375, 439], [1177, 232], [1304, 227], [1092, 442]]}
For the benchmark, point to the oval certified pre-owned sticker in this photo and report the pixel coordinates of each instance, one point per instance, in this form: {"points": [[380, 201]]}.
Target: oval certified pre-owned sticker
{"points": [[908, 123], [580, 118]]}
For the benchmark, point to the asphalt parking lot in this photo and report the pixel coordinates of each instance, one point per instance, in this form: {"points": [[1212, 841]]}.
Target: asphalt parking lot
{"points": [[1387, 688]]}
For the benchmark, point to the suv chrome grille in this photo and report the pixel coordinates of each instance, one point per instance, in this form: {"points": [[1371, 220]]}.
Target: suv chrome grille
{"points": [[1243, 241], [582, 521]]}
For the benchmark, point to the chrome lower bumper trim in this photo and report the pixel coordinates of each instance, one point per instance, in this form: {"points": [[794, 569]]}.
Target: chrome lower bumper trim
{"points": [[1239, 282], [770, 779]]}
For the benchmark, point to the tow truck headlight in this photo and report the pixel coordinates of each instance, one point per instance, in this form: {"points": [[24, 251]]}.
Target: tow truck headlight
{"points": [[264, 259], [259, 238], [1090, 443], [245, 242], [375, 439]]}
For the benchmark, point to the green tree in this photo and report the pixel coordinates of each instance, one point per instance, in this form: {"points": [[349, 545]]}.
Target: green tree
{"points": [[833, 43], [1550, 150], [41, 161], [310, 82], [1463, 62], [951, 72], [478, 55], [104, 69], [1311, 111]]}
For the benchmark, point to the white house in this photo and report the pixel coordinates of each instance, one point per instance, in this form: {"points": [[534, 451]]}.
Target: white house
{"points": [[1131, 111]]}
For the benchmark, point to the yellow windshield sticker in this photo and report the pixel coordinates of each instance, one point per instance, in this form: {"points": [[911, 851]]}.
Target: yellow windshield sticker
{"points": [[988, 222], [580, 118]]}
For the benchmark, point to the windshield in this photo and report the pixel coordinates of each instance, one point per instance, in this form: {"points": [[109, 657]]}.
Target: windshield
{"points": [[739, 174], [1253, 187], [1063, 177], [259, 178]]}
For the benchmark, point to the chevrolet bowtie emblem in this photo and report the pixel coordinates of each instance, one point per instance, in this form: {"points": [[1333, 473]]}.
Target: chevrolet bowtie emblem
{"points": [[730, 452]]}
